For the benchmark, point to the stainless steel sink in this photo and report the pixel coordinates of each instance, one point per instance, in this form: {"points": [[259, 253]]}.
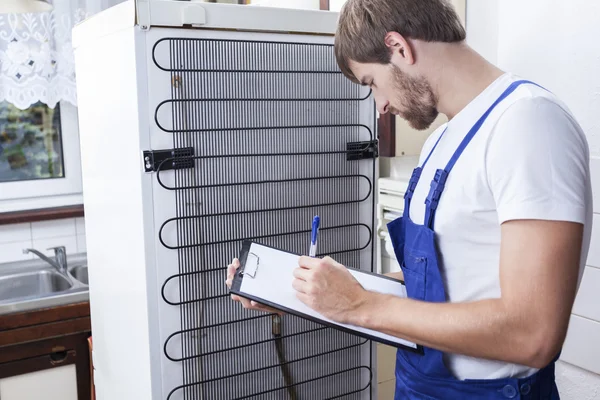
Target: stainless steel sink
{"points": [[80, 272], [27, 284], [35, 284]]}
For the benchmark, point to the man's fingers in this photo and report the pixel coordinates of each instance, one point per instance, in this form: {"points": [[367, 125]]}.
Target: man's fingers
{"points": [[308, 262], [253, 305], [231, 270], [301, 273], [229, 280], [300, 285], [245, 302], [259, 307]]}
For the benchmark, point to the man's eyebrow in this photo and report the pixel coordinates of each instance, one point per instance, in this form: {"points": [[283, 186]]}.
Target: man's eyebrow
{"points": [[364, 80]]}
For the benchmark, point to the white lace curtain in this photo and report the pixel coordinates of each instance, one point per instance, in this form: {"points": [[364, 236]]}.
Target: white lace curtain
{"points": [[36, 54]]}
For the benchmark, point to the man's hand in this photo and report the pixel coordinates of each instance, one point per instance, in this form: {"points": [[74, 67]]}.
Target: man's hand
{"points": [[399, 275], [328, 287], [248, 304]]}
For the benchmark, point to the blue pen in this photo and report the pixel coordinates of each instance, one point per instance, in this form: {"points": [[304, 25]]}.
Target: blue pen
{"points": [[313, 236]]}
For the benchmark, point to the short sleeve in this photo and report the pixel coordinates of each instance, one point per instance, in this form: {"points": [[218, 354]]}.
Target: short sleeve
{"points": [[537, 163]]}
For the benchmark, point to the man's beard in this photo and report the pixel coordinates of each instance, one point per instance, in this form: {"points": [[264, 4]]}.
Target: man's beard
{"points": [[419, 102]]}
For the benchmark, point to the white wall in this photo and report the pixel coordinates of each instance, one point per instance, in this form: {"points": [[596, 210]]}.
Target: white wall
{"points": [[300, 4], [336, 5], [482, 27], [555, 43]]}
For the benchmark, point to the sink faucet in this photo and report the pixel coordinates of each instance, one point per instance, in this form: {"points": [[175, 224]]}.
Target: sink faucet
{"points": [[60, 258]]}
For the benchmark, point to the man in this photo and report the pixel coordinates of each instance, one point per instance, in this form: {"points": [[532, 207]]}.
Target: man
{"points": [[497, 218]]}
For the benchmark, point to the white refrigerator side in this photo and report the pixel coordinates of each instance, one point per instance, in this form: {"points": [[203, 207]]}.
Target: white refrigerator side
{"points": [[118, 212], [368, 216]]}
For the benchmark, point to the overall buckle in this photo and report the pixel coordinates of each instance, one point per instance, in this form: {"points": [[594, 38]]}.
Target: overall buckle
{"points": [[412, 183], [437, 187]]}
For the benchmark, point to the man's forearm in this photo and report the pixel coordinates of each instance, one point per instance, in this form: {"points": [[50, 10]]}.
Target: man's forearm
{"points": [[483, 329]]}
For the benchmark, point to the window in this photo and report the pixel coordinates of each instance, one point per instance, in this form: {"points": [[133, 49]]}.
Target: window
{"points": [[40, 164], [30, 143]]}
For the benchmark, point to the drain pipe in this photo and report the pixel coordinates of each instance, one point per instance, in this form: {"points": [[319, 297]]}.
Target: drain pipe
{"points": [[276, 330]]}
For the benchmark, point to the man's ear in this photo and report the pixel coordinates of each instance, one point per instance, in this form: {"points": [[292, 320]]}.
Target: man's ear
{"points": [[399, 47]]}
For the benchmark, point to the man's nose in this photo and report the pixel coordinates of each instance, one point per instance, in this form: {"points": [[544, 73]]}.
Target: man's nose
{"points": [[383, 106]]}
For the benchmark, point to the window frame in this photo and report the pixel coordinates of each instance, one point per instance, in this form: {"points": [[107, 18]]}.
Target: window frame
{"points": [[51, 192]]}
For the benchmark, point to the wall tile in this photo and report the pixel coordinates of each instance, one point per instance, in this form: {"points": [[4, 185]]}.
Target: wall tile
{"points": [[581, 345], [15, 233], [40, 236], [586, 302], [593, 258], [81, 244], [595, 177], [575, 383], [70, 243], [10, 252], [80, 226], [52, 229]]}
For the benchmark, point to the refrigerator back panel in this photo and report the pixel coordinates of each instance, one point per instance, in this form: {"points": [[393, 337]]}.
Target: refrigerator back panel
{"points": [[262, 132]]}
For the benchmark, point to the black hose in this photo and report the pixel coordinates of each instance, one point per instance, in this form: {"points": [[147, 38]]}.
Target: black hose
{"points": [[276, 330]]}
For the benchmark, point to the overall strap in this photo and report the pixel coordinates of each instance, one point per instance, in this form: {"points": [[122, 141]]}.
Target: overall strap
{"points": [[414, 179], [439, 180]]}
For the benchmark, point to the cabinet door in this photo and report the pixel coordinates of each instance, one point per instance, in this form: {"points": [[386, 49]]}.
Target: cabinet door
{"points": [[51, 384], [46, 377]]}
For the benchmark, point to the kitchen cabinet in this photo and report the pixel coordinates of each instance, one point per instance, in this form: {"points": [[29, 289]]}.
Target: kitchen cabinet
{"points": [[44, 354], [386, 378], [58, 383]]}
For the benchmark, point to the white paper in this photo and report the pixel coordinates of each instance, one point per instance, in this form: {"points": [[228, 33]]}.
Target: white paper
{"points": [[273, 279]]}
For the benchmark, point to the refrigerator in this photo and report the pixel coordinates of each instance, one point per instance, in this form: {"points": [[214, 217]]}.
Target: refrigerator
{"points": [[203, 125]]}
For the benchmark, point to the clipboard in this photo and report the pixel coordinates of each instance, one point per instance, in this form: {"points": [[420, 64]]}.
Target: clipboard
{"points": [[265, 275]]}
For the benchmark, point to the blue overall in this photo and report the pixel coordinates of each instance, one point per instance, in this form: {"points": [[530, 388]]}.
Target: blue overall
{"points": [[425, 376]]}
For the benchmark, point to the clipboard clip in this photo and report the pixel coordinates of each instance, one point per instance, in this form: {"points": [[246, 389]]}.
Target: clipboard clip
{"points": [[251, 265]]}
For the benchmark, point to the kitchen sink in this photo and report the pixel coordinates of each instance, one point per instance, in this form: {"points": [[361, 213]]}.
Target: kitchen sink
{"points": [[38, 283], [80, 272], [35, 284]]}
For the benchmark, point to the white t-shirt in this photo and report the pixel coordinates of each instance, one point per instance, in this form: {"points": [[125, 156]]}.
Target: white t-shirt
{"points": [[530, 159]]}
